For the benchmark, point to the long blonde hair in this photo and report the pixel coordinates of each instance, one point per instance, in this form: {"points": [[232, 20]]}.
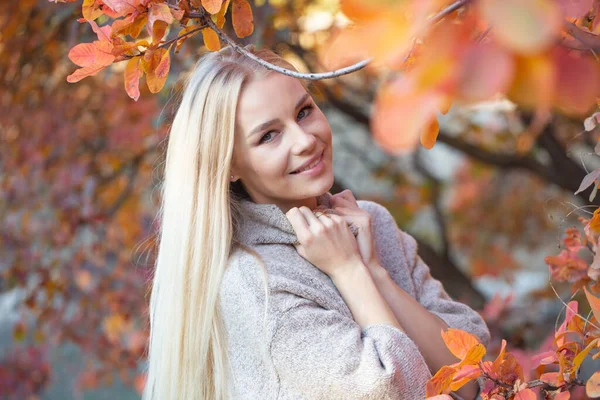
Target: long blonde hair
{"points": [[187, 354]]}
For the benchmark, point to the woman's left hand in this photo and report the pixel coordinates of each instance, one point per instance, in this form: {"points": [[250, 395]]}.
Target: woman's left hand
{"points": [[347, 207]]}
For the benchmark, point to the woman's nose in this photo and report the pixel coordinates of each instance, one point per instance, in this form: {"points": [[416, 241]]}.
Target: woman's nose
{"points": [[304, 141]]}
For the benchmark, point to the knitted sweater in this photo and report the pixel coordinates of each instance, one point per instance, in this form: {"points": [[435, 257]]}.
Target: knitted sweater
{"points": [[304, 344]]}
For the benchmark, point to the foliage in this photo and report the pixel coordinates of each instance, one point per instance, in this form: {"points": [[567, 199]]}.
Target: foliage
{"points": [[427, 56]]}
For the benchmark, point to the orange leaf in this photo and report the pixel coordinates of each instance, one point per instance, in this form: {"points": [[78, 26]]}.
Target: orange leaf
{"points": [[84, 72], [400, 115], [159, 12], [430, 134], [440, 381], [474, 355], [97, 53], [466, 374], [242, 19], [594, 303], [211, 39], [156, 65], [527, 26], [130, 27], [133, 73], [534, 83], [221, 14], [459, 342], [592, 387], [91, 10], [212, 6]]}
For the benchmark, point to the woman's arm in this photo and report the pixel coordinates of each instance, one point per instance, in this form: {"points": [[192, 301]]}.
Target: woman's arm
{"points": [[420, 325]]}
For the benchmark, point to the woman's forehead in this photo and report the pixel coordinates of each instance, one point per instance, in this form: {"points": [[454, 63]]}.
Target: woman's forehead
{"points": [[266, 98]]}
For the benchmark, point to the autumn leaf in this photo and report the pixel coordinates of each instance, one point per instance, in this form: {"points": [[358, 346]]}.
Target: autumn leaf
{"points": [[594, 303], [526, 26], [212, 6], [400, 115], [133, 73], [211, 39], [156, 65], [459, 342], [242, 19], [91, 10], [130, 26], [440, 382], [123, 7], [592, 386], [221, 14]]}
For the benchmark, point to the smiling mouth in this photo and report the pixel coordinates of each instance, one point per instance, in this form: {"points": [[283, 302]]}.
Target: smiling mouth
{"points": [[311, 165]]}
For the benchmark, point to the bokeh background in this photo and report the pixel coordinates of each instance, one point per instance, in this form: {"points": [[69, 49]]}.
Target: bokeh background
{"points": [[79, 165]]}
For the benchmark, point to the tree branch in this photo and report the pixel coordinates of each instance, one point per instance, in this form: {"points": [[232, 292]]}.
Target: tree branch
{"points": [[205, 17]]}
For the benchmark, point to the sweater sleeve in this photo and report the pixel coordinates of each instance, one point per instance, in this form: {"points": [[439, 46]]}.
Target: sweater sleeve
{"points": [[397, 251], [323, 354]]}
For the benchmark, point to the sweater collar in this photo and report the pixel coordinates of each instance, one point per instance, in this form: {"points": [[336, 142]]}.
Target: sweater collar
{"points": [[267, 224]]}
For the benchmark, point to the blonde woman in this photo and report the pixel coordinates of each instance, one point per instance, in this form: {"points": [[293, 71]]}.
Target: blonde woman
{"points": [[267, 286]]}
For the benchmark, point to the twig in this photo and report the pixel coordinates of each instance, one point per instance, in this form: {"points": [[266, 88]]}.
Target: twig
{"points": [[310, 76]]}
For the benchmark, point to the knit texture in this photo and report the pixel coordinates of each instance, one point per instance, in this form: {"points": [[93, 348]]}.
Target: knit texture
{"points": [[304, 343]]}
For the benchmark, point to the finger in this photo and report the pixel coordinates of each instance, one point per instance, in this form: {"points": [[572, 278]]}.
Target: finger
{"points": [[326, 220], [309, 216], [346, 210], [348, 195], [338, 218], [299, 223], [344, 199]]}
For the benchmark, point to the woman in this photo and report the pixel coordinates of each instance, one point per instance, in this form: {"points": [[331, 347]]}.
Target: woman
{"points": [[267, 286]]}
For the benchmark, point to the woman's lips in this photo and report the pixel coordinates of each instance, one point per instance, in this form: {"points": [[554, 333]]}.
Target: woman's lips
{"points": [[316, 169]]}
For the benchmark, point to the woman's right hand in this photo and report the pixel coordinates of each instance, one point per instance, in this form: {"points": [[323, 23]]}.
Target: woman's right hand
{"points": [[326, 241]]}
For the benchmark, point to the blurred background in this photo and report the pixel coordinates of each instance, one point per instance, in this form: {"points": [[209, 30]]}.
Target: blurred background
{"points": [[79, 165]]}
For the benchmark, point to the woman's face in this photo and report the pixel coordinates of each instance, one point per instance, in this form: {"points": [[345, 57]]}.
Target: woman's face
{"points": [[279, 130]]}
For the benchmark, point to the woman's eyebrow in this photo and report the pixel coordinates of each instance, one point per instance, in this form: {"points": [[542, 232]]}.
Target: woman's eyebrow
{"points": [[265, 125]]}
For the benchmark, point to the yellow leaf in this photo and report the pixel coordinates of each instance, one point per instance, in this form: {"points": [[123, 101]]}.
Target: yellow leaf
{"points": [[474, 355], [581, 356], [221, 14], [440, 381], [211, 39]]}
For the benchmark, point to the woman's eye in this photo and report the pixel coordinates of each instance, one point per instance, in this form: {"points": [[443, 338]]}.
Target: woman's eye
{"points": [[268, 137], [305, 109]]}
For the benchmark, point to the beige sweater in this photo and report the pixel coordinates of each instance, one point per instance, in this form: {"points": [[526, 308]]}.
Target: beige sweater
{"points": [[309, 346]]}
